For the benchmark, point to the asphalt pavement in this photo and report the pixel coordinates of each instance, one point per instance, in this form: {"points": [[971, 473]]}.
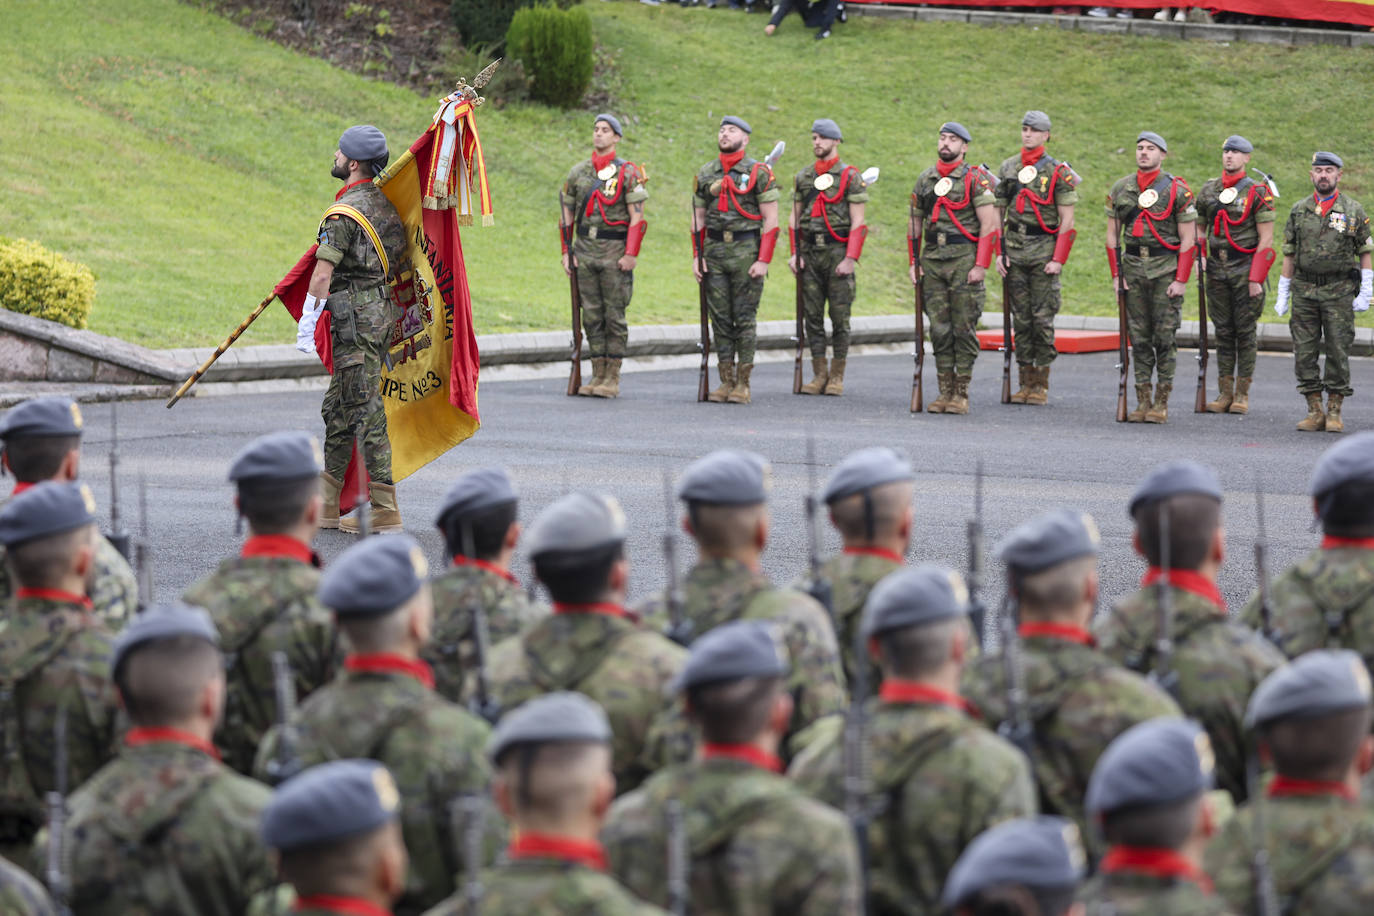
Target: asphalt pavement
{"points": [[1069, 453]]}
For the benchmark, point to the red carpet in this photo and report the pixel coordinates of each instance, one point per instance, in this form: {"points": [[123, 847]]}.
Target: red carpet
{"points": [[1064, 341]]}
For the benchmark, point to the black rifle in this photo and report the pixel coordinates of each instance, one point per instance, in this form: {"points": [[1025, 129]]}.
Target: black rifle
{"points": [[1200, 399], [819, 586], [57, 819], [286, 762], [704, 375], [800, 335], [482, 703], [1266, 613], [1123, 358], [679, 627], [977, 611], [143, 548], [856, 766], [1163, 673], [1016, 727], [679, 860], [1266, 895], [117, 536], [565, 233], [1006, 330], [917, 381], [470, 811]]}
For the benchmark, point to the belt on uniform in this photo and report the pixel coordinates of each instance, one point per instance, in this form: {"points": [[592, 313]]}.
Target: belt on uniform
{"points": [[601, 232], [1028, 229], [1352, 275], [1224, 253], [821, 239], [729, 235], [948, 238], [1147, 251]]}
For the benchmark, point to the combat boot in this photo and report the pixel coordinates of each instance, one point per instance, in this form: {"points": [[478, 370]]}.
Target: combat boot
{"points": [[1025, 378], [610, 385], [946, 383], [1040, 388], [820, 376], [958, 402], [598, 378], [1241, 402], [385, 514], [740, 393], [331, 488], [1142, 397], [1315, 421], [1226, 398], [1159, 413], [1334, 424], [727, 382], [835, 386]]}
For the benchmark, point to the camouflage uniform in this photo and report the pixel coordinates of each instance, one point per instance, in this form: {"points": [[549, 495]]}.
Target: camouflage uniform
{"points": [[53, 654], [950, 247], [547, 885], [1150, 240], [1132, 893], [165, 828], [852, 575], [20, 894], [756, 843], [362, 322], [614, 661], [717, 591], [1324, 601], [822, 240], [451, 650], [1077, 701], [732, 246], [113, 588], [1232, 239], [1218, 664], [1030, 226], [1321, 855], [602, 220], [943, 779], [1326, 258], [431, 747], [261, 605]]}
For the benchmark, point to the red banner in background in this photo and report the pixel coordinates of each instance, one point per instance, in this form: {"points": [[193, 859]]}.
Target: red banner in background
{"points": [[1354, 12]]}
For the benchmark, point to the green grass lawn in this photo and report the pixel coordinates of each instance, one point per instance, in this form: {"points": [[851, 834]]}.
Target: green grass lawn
{"points": [[186, 161]]}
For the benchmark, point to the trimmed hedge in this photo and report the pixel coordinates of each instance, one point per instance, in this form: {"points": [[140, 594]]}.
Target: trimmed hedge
{"points": [[36, 281], [555, 47]]}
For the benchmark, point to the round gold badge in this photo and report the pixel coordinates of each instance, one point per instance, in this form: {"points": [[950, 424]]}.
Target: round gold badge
{"points": [[1148, 198], [824, 181], [943, 185], [1227, 195], [607, 172], [1026, 175]]}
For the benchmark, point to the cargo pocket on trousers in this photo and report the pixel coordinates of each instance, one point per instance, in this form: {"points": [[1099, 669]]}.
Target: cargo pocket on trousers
{"points": [[354, 390]]}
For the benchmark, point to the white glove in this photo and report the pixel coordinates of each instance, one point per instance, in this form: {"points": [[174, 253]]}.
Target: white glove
{"points": [[1281, 301], [1361, 303], [305, 328]]}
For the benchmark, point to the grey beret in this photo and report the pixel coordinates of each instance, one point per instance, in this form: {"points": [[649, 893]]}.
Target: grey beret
{"points": [[826, 128], [1349, 460], [1038, 852], [728, 477], [612, 120], [42, 418], [475, 492], [1175, 478], [373, 577], [865, 469], [1318, 683], [48, 508], [1036, 120], [1047, 540], [738, 122], [1238, 143], [163, 621], [559, 716], [1151, 137], [278, 456], [912, 597], [1158, 762], [732, 652], [363, 143], [330, 803], [1321, 157], [959, 130], [577, 522]]}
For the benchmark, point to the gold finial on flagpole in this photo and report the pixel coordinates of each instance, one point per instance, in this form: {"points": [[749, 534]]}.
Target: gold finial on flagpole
{"points": [[468, 91]]}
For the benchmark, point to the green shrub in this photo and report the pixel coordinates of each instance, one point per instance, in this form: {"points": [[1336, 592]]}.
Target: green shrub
{"points": [[484, 21], [42, 283], [555, 47]]}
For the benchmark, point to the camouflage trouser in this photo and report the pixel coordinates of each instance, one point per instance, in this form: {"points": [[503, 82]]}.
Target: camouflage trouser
{"points": [[819, 284], [606, 291], [361, 326], [1034, 303], [1323, 321], [1235, 315], [953, 306], [1152, 320], [732, 297]]}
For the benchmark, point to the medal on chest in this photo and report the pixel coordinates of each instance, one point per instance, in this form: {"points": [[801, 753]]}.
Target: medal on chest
{"points": [[1148, 198], [824, 181], [1227, 196], [1026, 175], [942, 187], [1337, 221], [607, 172], [742, 181]]}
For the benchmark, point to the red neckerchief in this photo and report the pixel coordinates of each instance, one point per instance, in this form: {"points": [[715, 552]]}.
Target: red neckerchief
{"points": [[1285, 787], [1031, 156], [875, 552], [601, 160], [1324, 205], [344, 906], [945, 168], [348, 187], [278, 546], [391, 663], [460, 560], [746, 752], [1157, 863], [54, 594], [565, 849], [729, 160], [1332, 542], [21, 486], [138, 737], [1189, 580], [592, 607], [1065, 631], [1144, 179], [825, 165], [896, 690], [1228, 181]]}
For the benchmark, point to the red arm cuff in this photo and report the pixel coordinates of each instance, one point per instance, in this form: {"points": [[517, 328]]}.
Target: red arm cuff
{"points": [[697, 241], [911, 252], [1185, 264], [563, 234], [986, 245], [855, 245], [635, 238], [1064, 244], [792, 239], [1111, 262], [767, 244], [1260, 264]]}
